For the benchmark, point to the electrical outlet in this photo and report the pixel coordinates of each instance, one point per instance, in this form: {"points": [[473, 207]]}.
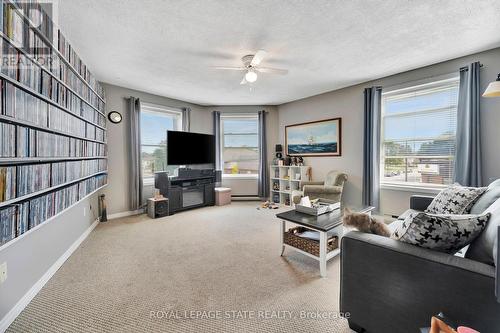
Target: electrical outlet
{"points": [[3, 272]]}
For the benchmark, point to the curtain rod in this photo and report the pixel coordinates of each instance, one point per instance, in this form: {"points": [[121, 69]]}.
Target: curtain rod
{"points": [[466, 68]]}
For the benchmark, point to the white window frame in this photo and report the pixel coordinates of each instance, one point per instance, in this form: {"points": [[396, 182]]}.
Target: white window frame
{"points": [[400, 88], [253, 116], [163, 110]]}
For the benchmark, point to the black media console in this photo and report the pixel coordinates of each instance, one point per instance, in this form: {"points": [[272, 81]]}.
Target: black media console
{"points": [[191, 189]]}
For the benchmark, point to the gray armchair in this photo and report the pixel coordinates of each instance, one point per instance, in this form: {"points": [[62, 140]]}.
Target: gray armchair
{"points": [[390, 286], [330, 189]]}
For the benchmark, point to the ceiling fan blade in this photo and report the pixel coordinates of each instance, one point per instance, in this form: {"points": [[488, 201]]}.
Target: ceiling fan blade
{"points": [[257, 58], [272, 70], [244, 81], [230, 68]]}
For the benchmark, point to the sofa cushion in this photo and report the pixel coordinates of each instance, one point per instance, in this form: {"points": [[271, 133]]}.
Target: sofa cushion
{"points": [[484, 248], [444, 233], [487, 199], [455, 199], [406, 213], [395, 225]]}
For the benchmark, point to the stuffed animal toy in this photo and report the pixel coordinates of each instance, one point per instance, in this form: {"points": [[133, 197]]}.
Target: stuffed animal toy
{"points": [[365, 223]]}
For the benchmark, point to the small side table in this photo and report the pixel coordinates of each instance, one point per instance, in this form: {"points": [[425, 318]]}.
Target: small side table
{"points": [[157, 207]]}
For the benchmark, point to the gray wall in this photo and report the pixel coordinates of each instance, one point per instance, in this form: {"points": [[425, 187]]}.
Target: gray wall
{"points": [[30, 257], [118, 148], [348, 104]]}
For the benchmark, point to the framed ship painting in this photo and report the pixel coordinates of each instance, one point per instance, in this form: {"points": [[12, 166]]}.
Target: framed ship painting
{"points": [[317, 138]]}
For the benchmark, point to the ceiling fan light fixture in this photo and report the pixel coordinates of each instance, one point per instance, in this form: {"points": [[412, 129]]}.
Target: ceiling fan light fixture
{"points": [[251, 76]]}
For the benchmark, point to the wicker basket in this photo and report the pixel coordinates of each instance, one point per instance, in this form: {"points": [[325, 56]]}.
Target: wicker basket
{"points": [[308, 245]]}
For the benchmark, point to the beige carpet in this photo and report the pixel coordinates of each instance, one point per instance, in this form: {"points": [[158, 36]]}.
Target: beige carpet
{"points": [[141, 275]]}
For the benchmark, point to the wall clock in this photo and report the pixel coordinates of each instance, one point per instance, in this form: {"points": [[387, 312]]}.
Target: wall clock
{"points": [[115, 117]]}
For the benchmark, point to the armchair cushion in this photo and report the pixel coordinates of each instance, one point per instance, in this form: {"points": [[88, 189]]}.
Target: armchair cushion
{"points": [[304, 183], [319, 189]]}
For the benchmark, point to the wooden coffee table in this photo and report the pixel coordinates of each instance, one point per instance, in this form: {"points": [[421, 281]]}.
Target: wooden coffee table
{"points": [[327, 225]]}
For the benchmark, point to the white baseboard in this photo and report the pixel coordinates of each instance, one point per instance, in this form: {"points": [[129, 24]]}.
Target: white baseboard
{"points": [[26, 299], [125, 214]]}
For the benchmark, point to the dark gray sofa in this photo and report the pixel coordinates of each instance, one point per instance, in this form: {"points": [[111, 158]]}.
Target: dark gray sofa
{"points": [[390, 286]]}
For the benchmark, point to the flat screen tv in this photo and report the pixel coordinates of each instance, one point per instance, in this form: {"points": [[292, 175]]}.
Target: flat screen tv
{"points": [[184, 148]]}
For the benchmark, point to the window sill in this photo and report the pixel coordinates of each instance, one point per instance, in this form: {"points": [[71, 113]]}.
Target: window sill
{"points": [[412, 188]]}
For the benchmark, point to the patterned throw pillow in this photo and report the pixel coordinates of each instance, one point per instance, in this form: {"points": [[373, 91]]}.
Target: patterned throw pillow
{"points": [[455, 199], [444, 233]]}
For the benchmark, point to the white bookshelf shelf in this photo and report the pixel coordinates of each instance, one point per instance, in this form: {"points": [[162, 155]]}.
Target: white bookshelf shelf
{"points": [[285, 180]]}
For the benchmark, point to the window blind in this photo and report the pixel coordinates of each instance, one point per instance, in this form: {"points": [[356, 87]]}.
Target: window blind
{"points": [[418, 133]]}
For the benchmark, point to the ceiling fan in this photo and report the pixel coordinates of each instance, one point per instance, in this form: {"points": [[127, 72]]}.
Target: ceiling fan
{"points": [[251, 64]]}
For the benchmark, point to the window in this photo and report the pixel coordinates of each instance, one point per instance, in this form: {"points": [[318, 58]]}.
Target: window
{"points": [[240, 144], [418, 134], [155, 122]]}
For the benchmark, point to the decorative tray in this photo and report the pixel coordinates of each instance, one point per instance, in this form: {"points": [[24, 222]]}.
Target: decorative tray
{"points": [[319, 206]]}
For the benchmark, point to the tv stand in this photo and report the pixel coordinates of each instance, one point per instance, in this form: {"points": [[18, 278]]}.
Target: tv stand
{"points": [[187, 192]]}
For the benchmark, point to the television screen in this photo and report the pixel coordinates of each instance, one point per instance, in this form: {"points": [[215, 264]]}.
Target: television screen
{"points": [[185, 148]]}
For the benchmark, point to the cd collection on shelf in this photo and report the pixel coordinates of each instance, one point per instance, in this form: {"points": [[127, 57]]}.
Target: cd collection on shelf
{"points": [[20, 217], [37, 143], [20, 180], [53, 149]]}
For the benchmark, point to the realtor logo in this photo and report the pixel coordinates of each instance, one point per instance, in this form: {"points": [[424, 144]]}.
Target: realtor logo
{"points": [[29, 33]]}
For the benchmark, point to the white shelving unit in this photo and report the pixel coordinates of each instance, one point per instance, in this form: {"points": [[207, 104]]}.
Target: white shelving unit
{"points": [[284, 180]]}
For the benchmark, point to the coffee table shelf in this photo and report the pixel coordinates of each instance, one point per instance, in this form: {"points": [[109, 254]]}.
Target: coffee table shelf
{"points": [[328, 225]]}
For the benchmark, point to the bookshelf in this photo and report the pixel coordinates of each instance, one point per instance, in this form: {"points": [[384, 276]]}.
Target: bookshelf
{"points": [[53, 144], [285, 180]]}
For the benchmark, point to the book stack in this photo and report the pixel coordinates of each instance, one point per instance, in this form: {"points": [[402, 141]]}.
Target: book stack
{"points": [[52, 121]]}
